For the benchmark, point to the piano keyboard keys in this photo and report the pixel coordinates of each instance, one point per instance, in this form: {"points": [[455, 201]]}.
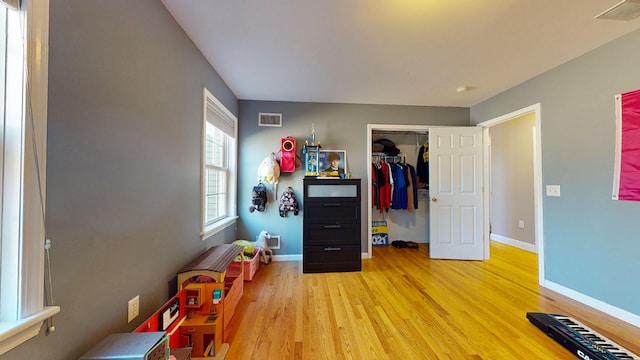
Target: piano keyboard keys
{"points": [[596, 338], [579, 338]]}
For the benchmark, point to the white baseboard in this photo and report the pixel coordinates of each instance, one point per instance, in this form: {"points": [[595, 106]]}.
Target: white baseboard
{"points": [[515, 243], [298, 257], [294, 257], [618, 313]]}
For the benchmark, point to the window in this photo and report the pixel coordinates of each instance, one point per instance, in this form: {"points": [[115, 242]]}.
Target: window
{"points": [[218, 166], [23, 109]]}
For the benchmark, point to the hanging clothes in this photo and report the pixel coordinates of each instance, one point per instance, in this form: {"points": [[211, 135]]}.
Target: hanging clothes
{"points": [[393, 185], [415, 184], [422, 166], [381, 187], [399, 188]]}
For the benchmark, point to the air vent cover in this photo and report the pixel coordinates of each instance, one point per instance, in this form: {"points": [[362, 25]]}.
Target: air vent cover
{"points": [[270, 119], [624, 10], [274, 242]]}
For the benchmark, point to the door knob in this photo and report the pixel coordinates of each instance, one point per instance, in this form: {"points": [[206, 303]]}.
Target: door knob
{"points": [[434, 199]]}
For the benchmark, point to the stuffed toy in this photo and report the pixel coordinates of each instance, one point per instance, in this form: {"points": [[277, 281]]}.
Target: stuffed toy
{"points": [[269, 170], [288, 202], [249, 248]]}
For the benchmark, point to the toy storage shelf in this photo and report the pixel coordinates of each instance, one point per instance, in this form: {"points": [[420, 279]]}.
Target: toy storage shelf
{"points": [[211, 270]]}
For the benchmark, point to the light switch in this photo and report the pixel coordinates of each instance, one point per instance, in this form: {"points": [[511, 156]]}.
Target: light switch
{"points": [[553, 190]]}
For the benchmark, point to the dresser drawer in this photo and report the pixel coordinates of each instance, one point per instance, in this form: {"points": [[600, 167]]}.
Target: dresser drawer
{"points": [[318, 210], [334, 233], [331, 258]]}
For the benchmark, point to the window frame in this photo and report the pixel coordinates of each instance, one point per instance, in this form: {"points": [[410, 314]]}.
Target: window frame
{"points": [[22, 319], [216, 114]]}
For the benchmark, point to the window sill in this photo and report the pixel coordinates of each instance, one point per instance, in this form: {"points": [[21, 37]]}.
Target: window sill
{"points": [[218, 226], [14, 333]]}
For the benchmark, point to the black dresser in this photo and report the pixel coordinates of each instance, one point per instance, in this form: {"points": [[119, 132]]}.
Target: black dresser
{"points": [[331, 236]]}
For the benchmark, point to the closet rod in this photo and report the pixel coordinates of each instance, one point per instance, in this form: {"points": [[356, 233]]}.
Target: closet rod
{"points": [[401, 157], [400, 132]]}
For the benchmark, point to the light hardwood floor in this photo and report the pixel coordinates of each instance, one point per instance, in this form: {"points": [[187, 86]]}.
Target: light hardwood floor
{"points": [[406, 306]]}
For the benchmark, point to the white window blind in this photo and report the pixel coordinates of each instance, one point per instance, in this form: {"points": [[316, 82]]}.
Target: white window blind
{"points": [[220, 117]]}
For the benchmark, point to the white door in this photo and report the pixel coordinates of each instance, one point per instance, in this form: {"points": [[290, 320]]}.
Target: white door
{"points": [[455, 189]]}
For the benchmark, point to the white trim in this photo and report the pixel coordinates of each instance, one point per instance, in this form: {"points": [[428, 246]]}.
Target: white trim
{"points": [[486, 182], [294, 257], [298, 257], [218, 226], [515, 243], [370, 129], [34, 227], [15, 333], [616, 312], [537, 177]]}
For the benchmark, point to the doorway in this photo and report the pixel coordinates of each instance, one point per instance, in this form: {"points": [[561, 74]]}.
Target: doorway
{"points": [[387, 129], [532, 111], [537, 175]]}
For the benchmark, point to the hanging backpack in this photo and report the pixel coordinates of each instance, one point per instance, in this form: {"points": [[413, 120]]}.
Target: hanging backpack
{"points": [[258, 198], [288, 202]]}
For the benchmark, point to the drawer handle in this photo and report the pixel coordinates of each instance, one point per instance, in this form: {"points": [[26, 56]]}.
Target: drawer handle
{"points": [[332, 226], [332, 249], [332, 204]]}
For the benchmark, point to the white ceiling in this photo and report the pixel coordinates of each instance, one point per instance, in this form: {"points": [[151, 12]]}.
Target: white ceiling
{"points": [[404, 52]]}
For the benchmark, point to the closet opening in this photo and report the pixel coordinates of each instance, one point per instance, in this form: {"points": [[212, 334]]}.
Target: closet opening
{"points": [[398, 156]]}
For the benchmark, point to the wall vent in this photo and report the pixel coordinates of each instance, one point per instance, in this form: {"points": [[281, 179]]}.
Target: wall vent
{"points": [[624, 10], [270, 119], [274, 242]]}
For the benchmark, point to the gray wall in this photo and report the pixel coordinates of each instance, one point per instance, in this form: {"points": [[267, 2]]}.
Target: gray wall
{"points": [[512, 196], [590, 241], [338, 126], [123, 174]]}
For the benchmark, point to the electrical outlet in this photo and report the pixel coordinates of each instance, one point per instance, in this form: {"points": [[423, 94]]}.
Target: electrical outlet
{"points": [[521, 224], [553, 190], [133, 308]]}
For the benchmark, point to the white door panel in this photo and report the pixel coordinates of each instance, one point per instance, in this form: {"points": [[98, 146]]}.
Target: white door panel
{"points": [[455, 187]]}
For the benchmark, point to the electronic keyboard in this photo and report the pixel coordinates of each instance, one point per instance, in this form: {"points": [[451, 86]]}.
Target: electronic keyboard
{"points": [[578, 338]]}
